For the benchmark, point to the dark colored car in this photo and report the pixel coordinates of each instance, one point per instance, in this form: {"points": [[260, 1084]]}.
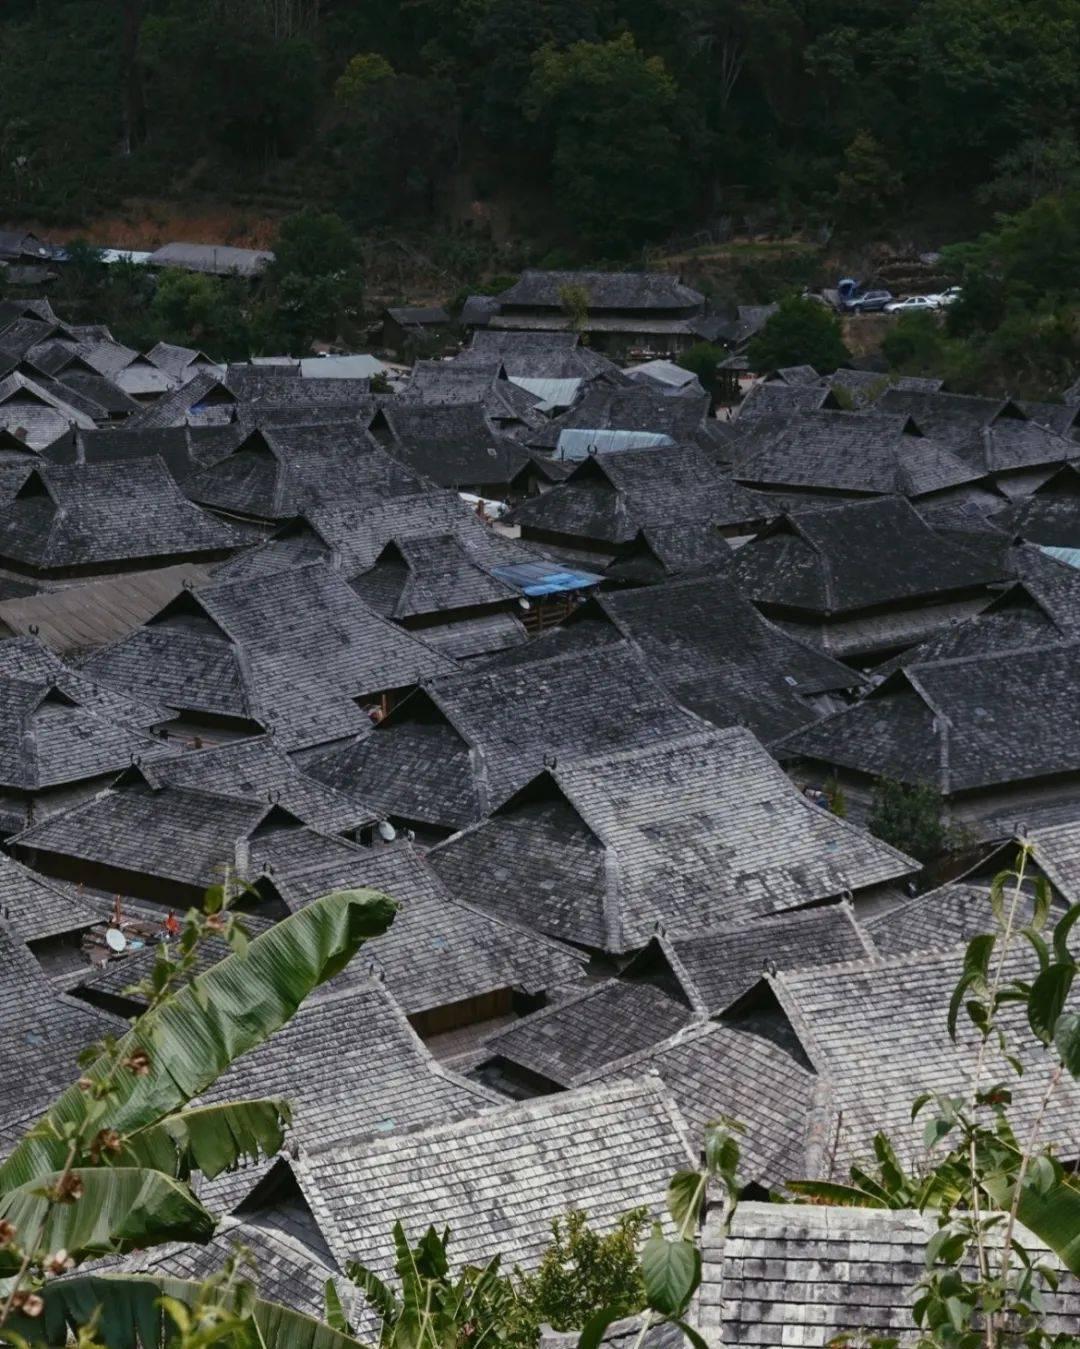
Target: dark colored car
{"points": [[870, 301]]}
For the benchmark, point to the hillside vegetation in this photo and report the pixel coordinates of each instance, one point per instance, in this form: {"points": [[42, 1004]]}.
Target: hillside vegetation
{"points": [[570, 129]]}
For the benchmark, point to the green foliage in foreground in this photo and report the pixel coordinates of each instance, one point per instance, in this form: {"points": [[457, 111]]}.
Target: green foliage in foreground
{"points": [[107, 1168]]}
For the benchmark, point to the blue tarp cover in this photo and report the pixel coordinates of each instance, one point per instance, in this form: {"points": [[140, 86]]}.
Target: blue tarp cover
{"points": [[538, 578]]}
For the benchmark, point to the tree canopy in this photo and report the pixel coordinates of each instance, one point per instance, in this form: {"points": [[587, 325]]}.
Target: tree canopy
{"points": [[600, 124], [801, 332]]}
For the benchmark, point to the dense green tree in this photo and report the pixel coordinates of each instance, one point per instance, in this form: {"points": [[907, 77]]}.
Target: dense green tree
{"points": [[203, 311], [617, 166], [703, 358], [315, 243], [910, 817], [867, 183], [801, 332], [987, 75]]}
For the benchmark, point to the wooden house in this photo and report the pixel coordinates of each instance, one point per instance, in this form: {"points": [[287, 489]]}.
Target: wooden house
{"points": [[991, 733], [465, 743], [690, 834], [651, 311], [864, 580]]}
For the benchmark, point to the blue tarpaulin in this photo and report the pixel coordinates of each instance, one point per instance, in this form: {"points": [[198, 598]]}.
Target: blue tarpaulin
{"points": [[539, 578], [579, 442], [1070, 556]]}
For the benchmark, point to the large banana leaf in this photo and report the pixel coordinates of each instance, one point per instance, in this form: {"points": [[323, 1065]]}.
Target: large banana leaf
{"points": [[230, 1008], [209, 1138], [1054, 1218], [129, 1316], [119, 1208]]}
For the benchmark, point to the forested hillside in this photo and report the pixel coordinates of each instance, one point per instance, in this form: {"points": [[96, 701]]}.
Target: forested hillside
{"points": [[585, 128]]}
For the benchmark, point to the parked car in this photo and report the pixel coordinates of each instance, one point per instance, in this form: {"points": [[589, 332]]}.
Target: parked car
{"points": [[914, 304], [947, 297], [869, 302]]}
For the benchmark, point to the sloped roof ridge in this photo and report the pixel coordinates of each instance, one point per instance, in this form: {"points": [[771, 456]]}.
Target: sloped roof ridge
{"points": [[563, 1102], [873, 964], [698, 1028], [707, 735], [991, 655]]}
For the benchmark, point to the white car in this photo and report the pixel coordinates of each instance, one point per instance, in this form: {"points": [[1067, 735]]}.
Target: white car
{"points": [[913, 303], [947, 297]]}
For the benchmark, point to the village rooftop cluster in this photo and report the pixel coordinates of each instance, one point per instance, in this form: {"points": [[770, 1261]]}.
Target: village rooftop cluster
{"points": [[576, 666]]}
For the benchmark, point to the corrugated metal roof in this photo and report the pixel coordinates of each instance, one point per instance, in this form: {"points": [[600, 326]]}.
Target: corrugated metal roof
{"points": [[579, 442], [552, 393], [357, 366], [218, 259], [1070, 556], [666, 372]]}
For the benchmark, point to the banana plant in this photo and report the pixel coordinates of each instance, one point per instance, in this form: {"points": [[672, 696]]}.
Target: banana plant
{"points": [[106, 1168], [145, 1312], [432, 1310]]}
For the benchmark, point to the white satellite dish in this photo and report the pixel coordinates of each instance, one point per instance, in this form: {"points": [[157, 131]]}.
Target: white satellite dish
{"points": [[115, 940], [387, 832]]}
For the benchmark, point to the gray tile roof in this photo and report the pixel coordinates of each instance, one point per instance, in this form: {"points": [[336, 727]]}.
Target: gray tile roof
{"points": [[97, 612], [173, 834], [1050, 515], [275, 474], [1057, 851], [716, 1071], [780, 401], [473, 378], [448, 756], [352, 534], [175, 360], [352, 1067], [938, 920], [953, 418], [85, 518], [35, 414], [454, 445], [845, 452], [290, 650], [284, 1268], [804, 1275], [719, 657], [977, 721], [634, 408], [433, 574], [43, 1036], [656, 291], [481, 636], [545, 355], [877, 1031], [610, 497], [577, 1037], [259, 770], [37, 908], [853, 557], [662, 552], [59, 727], [716, 968], [686, 835], [439, 950], [498, 1180]]}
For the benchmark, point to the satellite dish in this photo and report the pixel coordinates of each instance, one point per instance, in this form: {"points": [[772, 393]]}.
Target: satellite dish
{"points": [[115, 940], [387, 832]]}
